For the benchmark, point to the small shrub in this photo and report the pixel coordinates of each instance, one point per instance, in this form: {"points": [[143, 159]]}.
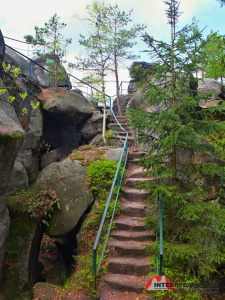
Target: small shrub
{"points": [[100, 176], [38, 203]]}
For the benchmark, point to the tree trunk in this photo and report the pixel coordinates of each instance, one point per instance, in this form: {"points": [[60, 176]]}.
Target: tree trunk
{"points": [[117, 86]]}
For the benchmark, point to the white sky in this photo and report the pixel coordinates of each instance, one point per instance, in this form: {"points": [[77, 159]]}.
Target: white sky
{"points": [[18, 18]]}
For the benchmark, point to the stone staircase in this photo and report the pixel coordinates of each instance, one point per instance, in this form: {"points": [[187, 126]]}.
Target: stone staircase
{"points": [[123, 122], [128, 265]]}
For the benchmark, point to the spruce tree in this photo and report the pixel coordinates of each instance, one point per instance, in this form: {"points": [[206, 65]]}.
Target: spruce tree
{"points": [[185, 151]]}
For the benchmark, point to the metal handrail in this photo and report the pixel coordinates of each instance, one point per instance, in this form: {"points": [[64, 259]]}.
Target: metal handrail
{"points": [[116, 182], [159, 234]]}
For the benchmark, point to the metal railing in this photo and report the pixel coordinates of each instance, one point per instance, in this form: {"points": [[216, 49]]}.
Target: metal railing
{"points": [[159, 237], [97, 259]]}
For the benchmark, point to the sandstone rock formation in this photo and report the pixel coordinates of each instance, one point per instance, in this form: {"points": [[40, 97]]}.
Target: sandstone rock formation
{"points": [[11, 137], [68, 179]]}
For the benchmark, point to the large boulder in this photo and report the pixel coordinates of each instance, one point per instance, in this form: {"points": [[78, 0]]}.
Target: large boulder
{"points": [[68, 179], [215, 88], [68, 107], [124, 99], [11, 137], [92, 127], [65, 112], [19, 178]]}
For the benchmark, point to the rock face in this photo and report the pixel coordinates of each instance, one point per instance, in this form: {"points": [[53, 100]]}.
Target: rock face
{"points": [[68, 179], [208, 85], [124, 99], [11, 137], [64, 113], [13, 58], [92, 127], [25, 238], [2, 46], [43, 78]]}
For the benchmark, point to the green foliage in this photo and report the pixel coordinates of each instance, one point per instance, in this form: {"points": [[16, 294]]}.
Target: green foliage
{"points": [[186, 152], [100, 176], [87, 154], [176, 274], [38, 203], [214, 65], [13, 72], [109, 135], [109, 42]]}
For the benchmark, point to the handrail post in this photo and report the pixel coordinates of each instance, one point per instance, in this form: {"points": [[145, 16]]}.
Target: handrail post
{"points": [[160, 235], [94, 268]]}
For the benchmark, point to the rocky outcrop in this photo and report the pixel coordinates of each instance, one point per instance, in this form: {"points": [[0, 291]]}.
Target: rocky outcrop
{"points": [[65, 112], [68, 179], [11, 137], [15, 59], [215, 89], [92, 127], [2, 46], [124, 99], [45, 79], [24, 239]]}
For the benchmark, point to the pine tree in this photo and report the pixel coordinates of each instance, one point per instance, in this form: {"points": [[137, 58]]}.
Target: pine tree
{"points": [[110, 41], [177, 132], [50, 37]]}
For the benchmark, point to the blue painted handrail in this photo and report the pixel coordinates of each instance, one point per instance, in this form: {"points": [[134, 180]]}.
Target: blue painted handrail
{"points": [[117, 181]]}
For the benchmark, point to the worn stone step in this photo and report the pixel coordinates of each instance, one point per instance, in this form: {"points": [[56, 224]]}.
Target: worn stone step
{"points": [[135, 161], [130, 283], [138, 172], [123, 118], [128, 248], [136, 154], [129, 138], [123, 222], [132, 194], [115, 127], [135, 182], [121, 235], [128, 266], [133, 209]]}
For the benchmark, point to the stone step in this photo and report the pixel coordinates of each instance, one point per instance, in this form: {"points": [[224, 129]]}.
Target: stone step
{"points": [[128, 266], [136, 154], [123, 133], [129, 138], [130, 283], [135, 161], [129, 248], [123, 222], [121, 235], [132, 194], [116, 127], [123, 118], [138, 172], [133, 209], [134, 182]]}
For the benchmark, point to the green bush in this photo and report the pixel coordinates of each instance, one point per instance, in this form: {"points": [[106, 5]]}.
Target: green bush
{"points": [[100, 177]]}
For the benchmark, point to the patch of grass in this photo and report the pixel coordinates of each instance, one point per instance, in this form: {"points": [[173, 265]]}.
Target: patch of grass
{"points": [[87, 154]]}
